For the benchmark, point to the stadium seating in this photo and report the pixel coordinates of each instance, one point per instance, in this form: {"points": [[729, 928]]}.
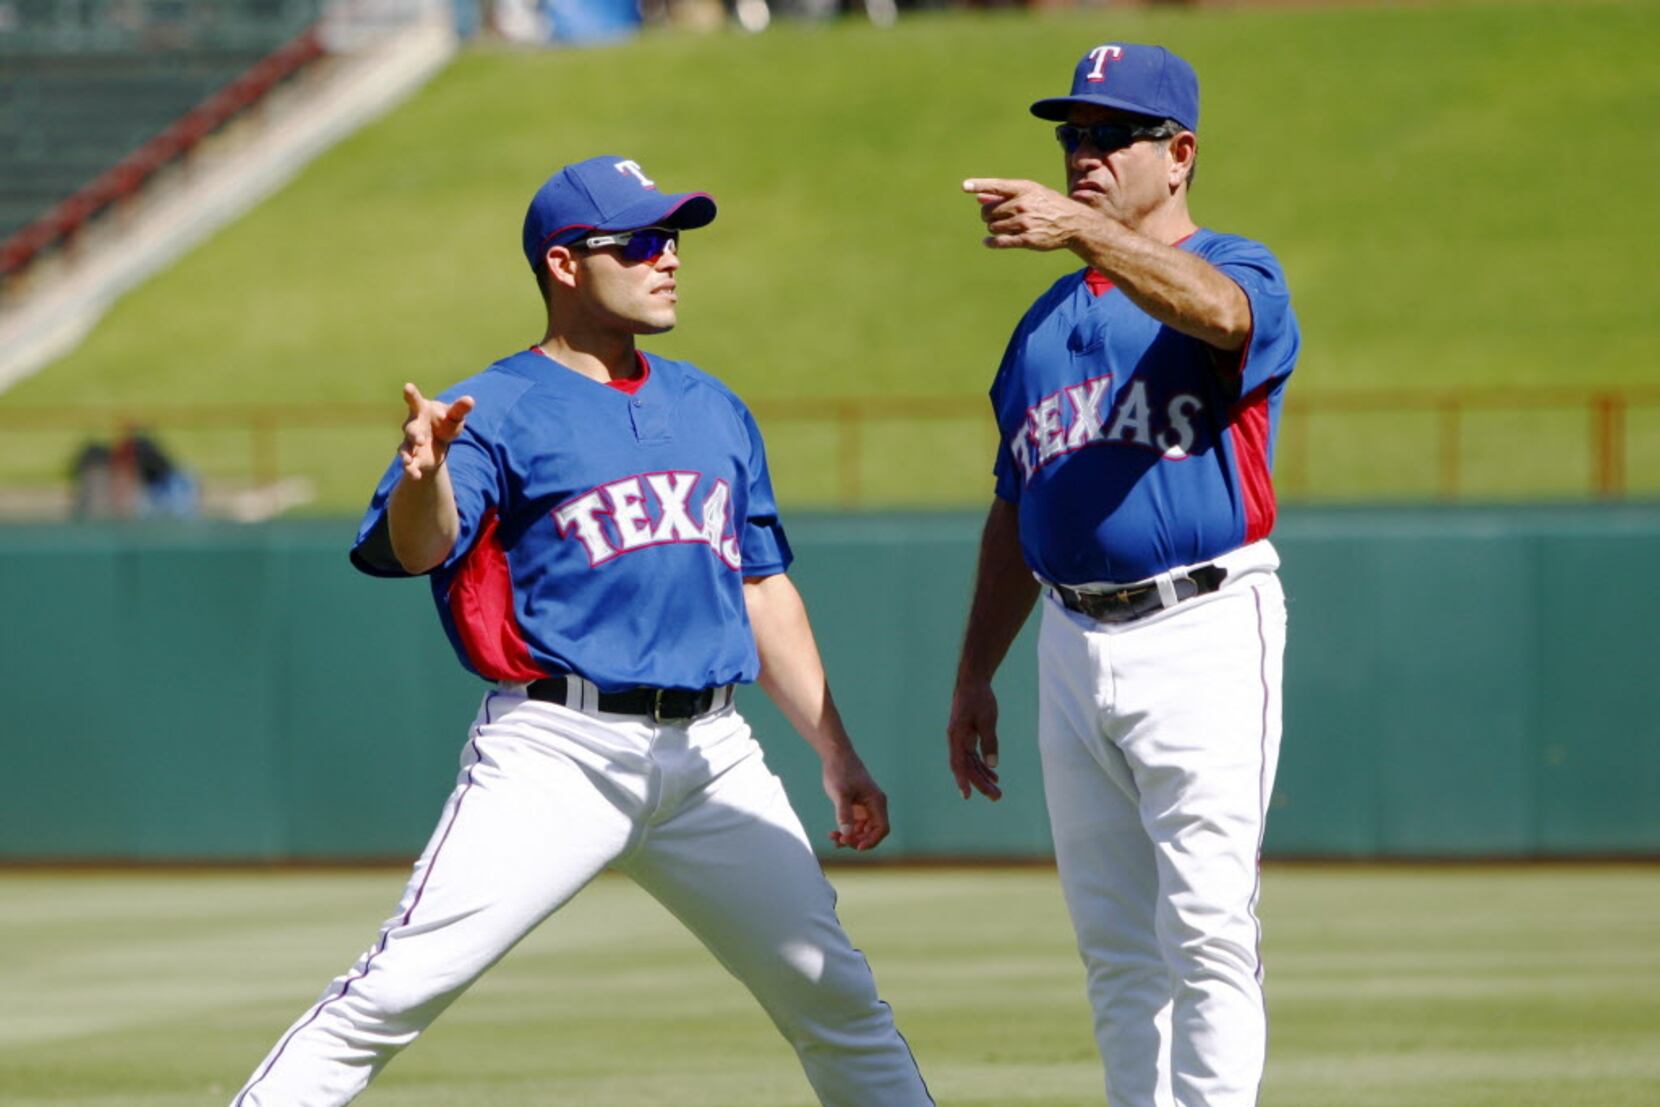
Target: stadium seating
{"points": [[84, 84]]}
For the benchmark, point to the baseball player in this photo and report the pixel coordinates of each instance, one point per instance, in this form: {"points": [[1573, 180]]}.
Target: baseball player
{"points": [[1137, 403], [599, 528]]}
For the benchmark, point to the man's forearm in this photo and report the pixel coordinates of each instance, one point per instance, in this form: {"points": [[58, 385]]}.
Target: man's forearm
{"points": [[1175, 287], [1004, 592], [792, 673], [422, 521]]}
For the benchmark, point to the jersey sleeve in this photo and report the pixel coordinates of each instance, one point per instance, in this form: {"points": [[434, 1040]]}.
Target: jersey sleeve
{"points": [[1007, 486], [765, 548], [1271, 351], [1003, 469], [474, 476]]}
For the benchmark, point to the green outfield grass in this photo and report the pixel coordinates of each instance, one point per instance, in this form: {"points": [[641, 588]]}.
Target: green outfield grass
{"points": [[1455, 986], [1461, 194]]}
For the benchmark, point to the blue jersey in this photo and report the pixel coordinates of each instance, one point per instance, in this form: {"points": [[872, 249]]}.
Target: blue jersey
{"points": [[602, 533], [1132, 448]]}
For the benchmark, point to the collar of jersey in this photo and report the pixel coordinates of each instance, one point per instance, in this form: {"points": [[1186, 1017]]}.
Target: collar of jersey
{"points": [[628, 386]]}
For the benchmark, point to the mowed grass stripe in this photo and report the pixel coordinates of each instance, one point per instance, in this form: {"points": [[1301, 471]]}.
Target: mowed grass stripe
{"points": [[1452, 986], [1428, 173]]}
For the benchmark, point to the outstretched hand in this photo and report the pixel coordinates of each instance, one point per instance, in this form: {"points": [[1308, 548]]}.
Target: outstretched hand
{"points": [[861, 806], [427, 433], [971, 736], [1026, 215]]}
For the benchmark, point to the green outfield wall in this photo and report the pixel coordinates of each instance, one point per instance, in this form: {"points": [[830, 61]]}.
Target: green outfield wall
{"points": [[1460, 682]]}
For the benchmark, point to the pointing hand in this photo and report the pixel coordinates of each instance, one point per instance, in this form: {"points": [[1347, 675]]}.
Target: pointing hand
{"points": [[427, 433], [1025, 214]]}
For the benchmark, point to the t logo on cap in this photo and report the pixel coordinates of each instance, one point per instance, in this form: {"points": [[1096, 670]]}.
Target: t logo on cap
{"points": [[632, 168], [1101, 54], [1148, 81], [603, 195]]}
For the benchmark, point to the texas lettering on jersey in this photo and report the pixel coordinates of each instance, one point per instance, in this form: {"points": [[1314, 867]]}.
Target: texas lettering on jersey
{"points": [[651, 509], [1072, 419]]}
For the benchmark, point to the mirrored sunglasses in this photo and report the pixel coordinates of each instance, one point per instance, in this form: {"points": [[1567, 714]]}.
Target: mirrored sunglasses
{"points": [[645, 244]]}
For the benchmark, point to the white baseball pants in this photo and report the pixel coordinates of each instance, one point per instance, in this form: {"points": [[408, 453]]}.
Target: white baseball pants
{"points": [[546, 798], [1159, 740]]}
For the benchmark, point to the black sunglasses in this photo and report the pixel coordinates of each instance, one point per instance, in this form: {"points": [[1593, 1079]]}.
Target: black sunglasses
{"points": [[1107, 137], [645, 244]]}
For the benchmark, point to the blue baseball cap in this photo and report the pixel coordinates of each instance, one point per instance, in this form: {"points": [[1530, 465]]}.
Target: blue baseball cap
{"points": [[605, 194], [1146, 80]]}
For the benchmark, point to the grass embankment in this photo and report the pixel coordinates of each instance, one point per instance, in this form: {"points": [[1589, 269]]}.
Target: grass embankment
{"points": [[1459, 193]]}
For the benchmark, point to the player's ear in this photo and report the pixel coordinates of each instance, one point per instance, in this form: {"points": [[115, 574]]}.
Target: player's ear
{"points": [[1183, 150], [561, 265]]}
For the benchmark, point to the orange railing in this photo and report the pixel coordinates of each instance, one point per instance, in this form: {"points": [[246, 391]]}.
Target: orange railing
{"points": [[1604, 434], [1606, 412], [262, 424]]}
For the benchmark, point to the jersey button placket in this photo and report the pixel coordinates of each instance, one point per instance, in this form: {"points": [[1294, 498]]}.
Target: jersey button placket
{"points": [[650, 419]]}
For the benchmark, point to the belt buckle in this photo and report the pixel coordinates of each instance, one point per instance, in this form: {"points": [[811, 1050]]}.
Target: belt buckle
{"points": [[1120, 605], [657, 708]]}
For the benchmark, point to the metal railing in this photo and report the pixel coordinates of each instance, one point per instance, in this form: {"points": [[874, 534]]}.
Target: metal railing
{"points": [[1606, 411], [1605, 431]]}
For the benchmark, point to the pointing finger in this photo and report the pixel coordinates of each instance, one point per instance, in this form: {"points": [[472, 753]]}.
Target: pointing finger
{"points": [[993, 187], [458, 411]]}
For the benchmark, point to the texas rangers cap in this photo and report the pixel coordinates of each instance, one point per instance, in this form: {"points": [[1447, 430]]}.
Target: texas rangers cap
{"points": [[1146, 80], [605, 194]]}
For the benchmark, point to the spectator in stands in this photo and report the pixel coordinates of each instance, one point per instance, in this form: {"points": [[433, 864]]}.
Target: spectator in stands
{"points": [[92, 479], [134, 478]]}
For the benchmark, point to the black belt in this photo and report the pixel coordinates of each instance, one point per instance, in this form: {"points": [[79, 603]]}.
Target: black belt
{"points": [[661, 704], [1125, 605]]}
